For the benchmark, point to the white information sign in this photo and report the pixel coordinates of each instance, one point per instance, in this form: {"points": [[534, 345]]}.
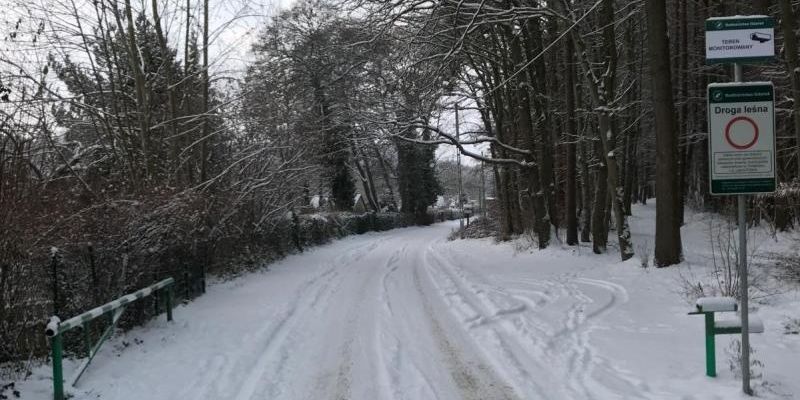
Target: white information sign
{"points": [[740, 39], [741, 126]]}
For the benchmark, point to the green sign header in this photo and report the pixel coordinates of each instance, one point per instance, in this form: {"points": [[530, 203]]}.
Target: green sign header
{"points": [[739, 94], [730, 24], [740, 186]]}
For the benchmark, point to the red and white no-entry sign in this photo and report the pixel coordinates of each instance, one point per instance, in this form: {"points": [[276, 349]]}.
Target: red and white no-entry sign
{"points": [[741, 132], [741, 137]]}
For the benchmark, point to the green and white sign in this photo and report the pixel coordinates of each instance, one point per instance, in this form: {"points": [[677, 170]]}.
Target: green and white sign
{"points": [[741, 145], [740, 39]]}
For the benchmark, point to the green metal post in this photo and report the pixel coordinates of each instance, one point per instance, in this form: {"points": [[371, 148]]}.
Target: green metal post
{"points": [[58, 371], [169, 303], [711, 356], [187, 283], [156, 302], [87, 339]]}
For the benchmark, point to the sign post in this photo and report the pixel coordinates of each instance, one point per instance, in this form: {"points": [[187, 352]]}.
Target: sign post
{"points": [[741, 128]]}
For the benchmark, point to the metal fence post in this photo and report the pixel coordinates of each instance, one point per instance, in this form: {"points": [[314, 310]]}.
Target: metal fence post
{"points": [[54, 272], [169, 303], [186, 282], [203, 277], [58, 370], [87, 339]]}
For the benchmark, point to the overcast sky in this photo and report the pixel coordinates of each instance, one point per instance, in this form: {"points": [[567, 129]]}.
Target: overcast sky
{"points": [[232, 46], [234, 27]]}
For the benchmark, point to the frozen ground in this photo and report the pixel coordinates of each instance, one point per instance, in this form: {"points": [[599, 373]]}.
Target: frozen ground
{"points": [[408, 315]]}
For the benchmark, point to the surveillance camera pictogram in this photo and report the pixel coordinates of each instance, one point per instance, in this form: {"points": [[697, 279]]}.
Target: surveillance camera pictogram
{"points": [[760, 37]]}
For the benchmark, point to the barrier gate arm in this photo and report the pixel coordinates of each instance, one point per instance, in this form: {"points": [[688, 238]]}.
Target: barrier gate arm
{"points": [[55, 329], [92, 350]]}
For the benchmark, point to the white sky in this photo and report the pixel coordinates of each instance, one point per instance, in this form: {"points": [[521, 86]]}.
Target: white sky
{"points": [[239, 23], [234, 27]]}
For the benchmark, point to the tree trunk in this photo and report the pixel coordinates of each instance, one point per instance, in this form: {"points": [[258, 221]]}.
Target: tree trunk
{"points": [[141, 93], [586, 195], [537, 80], [371, 184], [599, 218], [525, 127], [365, 176], [606, 94], [683, 127], [167, 65], [630, 175], [585, 155], [668, 234], [385, 174], [793, 65], [572, 135], [206, 84], [188, 167], [616, 190]]}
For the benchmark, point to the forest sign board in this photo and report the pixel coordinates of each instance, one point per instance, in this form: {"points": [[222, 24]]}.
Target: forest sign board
{"points": [[741, 127], [740, 39]]}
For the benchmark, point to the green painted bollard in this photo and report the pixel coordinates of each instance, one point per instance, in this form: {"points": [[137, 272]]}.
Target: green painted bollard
{"points": [[711, 348], [58, 370]]}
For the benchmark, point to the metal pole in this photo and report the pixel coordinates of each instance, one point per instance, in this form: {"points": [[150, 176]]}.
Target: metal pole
{"points": [[58, 370], [54, 270], [743, 293], [743, 289], [168, 300], [460, 188]]}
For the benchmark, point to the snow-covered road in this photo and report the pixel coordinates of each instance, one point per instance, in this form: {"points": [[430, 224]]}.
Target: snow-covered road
{"points": [[408, 315], [366, 318]]}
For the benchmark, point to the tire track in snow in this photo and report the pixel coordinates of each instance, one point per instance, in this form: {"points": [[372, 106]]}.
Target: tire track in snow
{"points": [[572, 344], [473, 380], [392, 264], [274, 335], [341, 388], [265, 340], [402, 374], [344, 375], [569, 346], [508, 350]]}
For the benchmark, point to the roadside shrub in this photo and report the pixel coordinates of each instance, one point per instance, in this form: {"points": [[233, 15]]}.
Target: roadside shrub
{"points": [[141, 243], [734, 352]]}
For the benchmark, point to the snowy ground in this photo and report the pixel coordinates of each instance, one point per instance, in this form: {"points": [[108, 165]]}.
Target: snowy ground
{"points": [[408, 315]]}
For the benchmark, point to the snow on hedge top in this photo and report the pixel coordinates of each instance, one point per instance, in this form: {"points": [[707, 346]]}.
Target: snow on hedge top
{"points": [[716, 304]]}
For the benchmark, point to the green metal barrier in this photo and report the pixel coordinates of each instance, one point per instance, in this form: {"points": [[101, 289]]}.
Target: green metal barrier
{"points": [[708, 306], [55, 329]]}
